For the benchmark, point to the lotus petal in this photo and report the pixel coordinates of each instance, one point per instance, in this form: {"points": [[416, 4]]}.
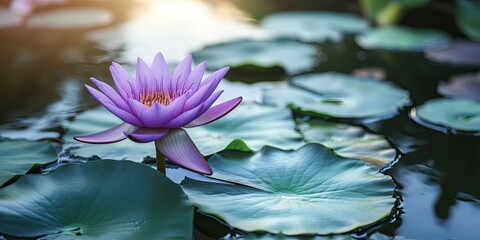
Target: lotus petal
{"points": [[111, 135], [180, 149], [156, 115], [110, 106], [110, 93], [144, 135], [181, 74], [215, 112]]}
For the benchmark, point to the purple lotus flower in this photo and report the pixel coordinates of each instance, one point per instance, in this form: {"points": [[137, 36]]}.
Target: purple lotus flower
{"points": [[157, 105]]}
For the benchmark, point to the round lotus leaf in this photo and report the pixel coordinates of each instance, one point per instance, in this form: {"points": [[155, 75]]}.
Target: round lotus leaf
{"points": [[103, 199], [314, 26], [350, 141], [466, 16], [403, 39], [462, 86], [248, 127], [97, 120], [293, 56], [19, 156], [68, 18], [458, 53], [311, 190], [339, 95], [452, 114]]}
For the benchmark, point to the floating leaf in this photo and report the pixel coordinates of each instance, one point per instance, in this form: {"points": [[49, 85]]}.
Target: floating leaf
{"points": [[248, 128], [66, 18], [17, 157], [96, 200], [466, 16], [314, 26], [350, 141], [308, 191], [403, 39], [293, 56], [458, 53], [339, 95], [462, 86], [454, 114], [96, 120]]}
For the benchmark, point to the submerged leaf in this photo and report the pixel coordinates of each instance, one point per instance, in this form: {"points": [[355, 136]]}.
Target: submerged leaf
{"points": [[308, 191]]}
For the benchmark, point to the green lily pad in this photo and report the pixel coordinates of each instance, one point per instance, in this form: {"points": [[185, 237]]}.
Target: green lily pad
{"points": [[314, 26], [248, 128], [462, 86], [17, 157], [293, 56], [466, 16], [454, 114], [350, 141], [460, 52], [339, 95], [403, 39], [96, 200], [308, 191], [68, 18], [96, 120]]}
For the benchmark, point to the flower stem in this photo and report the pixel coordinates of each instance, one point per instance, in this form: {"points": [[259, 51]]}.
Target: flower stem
{"points": [[160, 162]]}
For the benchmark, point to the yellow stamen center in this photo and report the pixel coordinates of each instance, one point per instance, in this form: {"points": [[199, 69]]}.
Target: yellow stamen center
{"points": [[148, 98]]}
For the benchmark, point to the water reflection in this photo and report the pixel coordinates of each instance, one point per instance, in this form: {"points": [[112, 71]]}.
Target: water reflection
{"points": [[56, 115], [174, 27]]}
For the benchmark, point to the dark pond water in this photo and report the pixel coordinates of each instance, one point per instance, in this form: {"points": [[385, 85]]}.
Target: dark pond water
{"points": [[42, 73]]}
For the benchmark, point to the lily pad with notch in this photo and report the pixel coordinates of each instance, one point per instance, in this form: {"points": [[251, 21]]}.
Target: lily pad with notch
{"points": [[19, 156], [314, 26], [403, 39], [457, 116], [260, 57], [308, 191], [339, 95], [96, 200], [350, 141]]}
